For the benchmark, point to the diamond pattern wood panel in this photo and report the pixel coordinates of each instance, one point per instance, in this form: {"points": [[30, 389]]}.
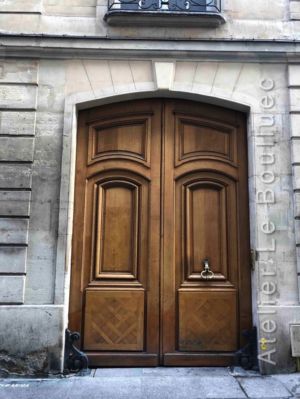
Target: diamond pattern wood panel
{"points": [[207, 321], [114, 320]]}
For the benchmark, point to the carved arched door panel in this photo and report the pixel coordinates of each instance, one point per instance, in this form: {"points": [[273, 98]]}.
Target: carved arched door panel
{"points": [[160, 247]]}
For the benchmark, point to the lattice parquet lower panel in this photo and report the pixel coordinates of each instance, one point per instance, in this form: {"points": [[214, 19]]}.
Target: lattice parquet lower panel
{"points": [[211, 326], [114, 320]]}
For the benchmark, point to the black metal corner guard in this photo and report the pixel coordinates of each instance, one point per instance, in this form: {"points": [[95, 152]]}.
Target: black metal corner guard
{"points": [[246, 357], [75, 361]]}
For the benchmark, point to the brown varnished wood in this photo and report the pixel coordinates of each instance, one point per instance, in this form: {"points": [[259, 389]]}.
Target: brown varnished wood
{"points": [[190, 359], [114, 299], [207, 320], [206, 187], [114, 320], [160, 185]]}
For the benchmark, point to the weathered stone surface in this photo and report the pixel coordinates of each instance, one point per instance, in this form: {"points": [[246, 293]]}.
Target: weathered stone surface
{"points": [[137, 383], [238, 10], [264, 388], [15, 176], [13, 231], [24, 6], [164, 74], [297, 204], [105, 76], [49, 124], [12, 289], [41, 262], [31, 364], [70, 8], [17, 96], [294, 69], [14, 203], [278, 351], [74, 25], [17, 123], [30, 21], [45, 183], [297, 231], [295, 339], [295, 100], [296, 150], [164, 387], [263, 20], [296, 177], [295, 125], [18, 72], [16, 149], [295, 10], [291, 382], [35, 339], [13, 259]]}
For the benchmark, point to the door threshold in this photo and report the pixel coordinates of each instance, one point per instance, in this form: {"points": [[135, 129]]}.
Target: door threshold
{"points": [[160, 371]]}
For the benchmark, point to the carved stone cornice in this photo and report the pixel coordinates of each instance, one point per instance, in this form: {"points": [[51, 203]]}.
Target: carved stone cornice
{"points": [[66, 47]]}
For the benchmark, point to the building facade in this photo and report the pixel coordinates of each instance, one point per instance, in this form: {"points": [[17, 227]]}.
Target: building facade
{"points": [[160, 256]]}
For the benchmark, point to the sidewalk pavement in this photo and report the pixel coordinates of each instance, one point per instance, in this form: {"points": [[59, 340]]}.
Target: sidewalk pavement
{"points": [[156, 383]]}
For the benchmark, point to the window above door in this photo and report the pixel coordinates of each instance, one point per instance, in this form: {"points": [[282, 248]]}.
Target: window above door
{"points": [[190, 13]]}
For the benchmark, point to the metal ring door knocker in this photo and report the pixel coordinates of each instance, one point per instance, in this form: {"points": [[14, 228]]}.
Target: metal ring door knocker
{"points": [[207, 274]]}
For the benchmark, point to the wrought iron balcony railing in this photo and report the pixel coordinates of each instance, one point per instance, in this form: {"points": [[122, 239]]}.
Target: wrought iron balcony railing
{"points": [[164, 12], [166, 5]]}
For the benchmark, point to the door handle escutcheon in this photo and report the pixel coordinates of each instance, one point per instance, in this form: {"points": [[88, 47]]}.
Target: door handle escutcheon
{"points": [[207, 274]]}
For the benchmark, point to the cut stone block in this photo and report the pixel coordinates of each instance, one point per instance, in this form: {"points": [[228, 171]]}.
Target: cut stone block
{"points": [[18, 72], [294, 70], [17, 123], [12, 289], [295, 339], [16, 149], [296, 177], [15, 176], [24, 6], [295, 11], [264, 388], [296, 150], [14, 231], [295, 125], [14, 203], [295, 100], [13, 260], [17, 96]]}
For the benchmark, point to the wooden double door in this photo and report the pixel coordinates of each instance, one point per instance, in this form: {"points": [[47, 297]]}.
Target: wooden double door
{"points": [[160, 262]]}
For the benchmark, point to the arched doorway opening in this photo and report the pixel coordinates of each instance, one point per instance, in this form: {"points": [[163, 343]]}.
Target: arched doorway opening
{"points": [[160, 253]]}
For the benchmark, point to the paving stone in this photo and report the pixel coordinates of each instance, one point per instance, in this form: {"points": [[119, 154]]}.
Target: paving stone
{"points": [[118, 372], [155, 383], [111, 388], [264, 387], [291, 382], [187, 371], [221, 387], [240, 372], [28, 389], [162, 371]]}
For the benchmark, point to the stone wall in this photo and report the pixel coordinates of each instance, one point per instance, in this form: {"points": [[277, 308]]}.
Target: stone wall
{"points": [[263, 19], [38, 129], [294, 94]]}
